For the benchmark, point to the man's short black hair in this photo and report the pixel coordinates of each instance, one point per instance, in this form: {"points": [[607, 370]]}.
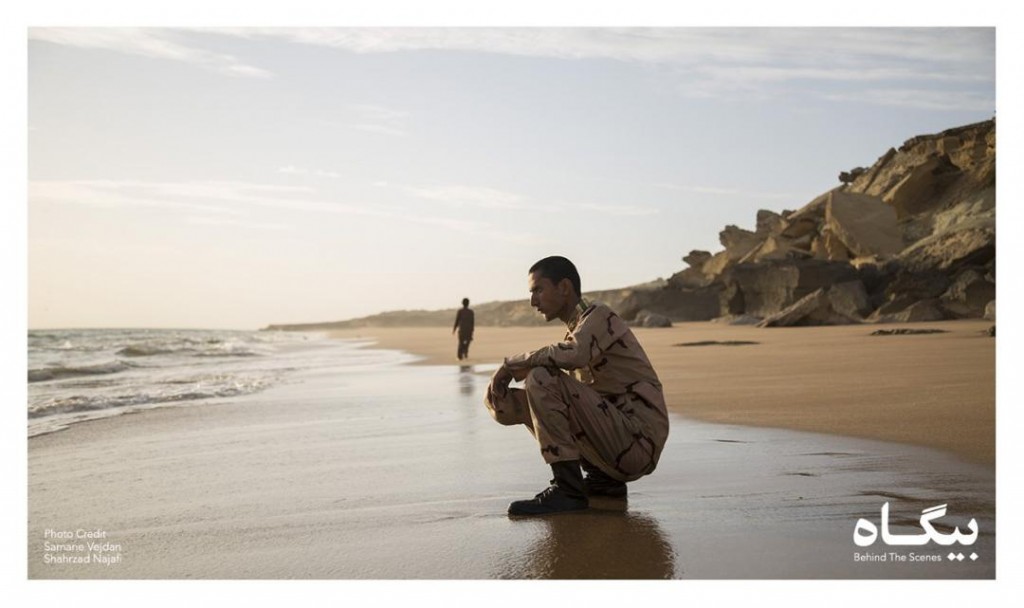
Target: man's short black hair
{"points": [[465, 301], [555, 268]]}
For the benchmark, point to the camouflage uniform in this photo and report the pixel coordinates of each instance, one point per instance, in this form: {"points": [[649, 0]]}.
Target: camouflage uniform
{"points": [[611, 412]]}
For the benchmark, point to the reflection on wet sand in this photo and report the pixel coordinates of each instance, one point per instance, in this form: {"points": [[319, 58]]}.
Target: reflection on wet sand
{"points": [[466, 380], [606, 542]]}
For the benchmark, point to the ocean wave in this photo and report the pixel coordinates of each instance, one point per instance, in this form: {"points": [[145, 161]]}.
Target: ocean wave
{"points": [[150, 350], [57, 372], [38, 345], [199, 379], [89, 383], [146, 351], [78, 375], [228, 353], [82, 403]]}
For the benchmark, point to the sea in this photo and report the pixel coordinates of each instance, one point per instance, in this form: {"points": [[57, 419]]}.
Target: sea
{"points": [[76, 375]]}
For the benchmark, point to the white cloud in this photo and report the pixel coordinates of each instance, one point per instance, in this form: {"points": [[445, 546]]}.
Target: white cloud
{"points": [[616, 210], [922, 99], [487, 198], [215, 221], [147, 42], [718, 191], [293, 170], [731, 63], [214, 200], [490, 198], [382, 129], [379, 119], [781, 73], [752, 63], [687, 46], [108, 193], [380, 113]]}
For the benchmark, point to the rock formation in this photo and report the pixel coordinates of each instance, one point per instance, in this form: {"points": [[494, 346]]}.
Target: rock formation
{"points": [[646, 318], [911, 238]]}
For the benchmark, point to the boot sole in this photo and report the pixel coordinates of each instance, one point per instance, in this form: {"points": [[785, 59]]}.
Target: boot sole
{"points": [[531, 507], [602, 494], [525, 513]]}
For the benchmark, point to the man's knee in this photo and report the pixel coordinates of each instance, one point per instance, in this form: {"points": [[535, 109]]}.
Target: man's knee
{"points": [[504, 417], [538, 379], [510, 411]]}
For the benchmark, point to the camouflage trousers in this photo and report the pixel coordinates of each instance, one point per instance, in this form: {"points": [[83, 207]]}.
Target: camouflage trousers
{"points": [[572, 421]]}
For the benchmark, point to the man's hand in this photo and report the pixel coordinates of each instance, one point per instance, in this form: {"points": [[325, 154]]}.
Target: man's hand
{"points": [[501, 379], [499, 383]]}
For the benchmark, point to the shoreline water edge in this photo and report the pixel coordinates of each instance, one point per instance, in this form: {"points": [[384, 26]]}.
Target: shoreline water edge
{"points": [[934, 390]]}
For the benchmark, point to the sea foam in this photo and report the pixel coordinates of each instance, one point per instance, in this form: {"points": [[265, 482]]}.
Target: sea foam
{"points": [[77, 375]]}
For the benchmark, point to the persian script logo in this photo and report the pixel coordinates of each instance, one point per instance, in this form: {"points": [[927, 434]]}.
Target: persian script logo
{"points": [[865, 533]]}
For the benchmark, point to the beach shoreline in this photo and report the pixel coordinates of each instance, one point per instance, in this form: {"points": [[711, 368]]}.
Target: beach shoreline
{"points": [[251, 487], [933, 390], [298, 481]]}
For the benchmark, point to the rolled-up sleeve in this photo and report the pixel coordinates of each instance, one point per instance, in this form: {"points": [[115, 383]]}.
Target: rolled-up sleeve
{"points": [[597, 330]]}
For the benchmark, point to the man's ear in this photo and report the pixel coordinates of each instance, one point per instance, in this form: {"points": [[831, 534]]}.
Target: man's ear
{"points": [[565, 287]]}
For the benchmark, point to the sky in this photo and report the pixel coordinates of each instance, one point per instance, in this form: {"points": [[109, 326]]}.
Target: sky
{"points": [[238, 177]]}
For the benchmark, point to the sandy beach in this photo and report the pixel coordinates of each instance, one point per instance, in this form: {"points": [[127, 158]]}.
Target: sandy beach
{"points": [[396, 471], [934, 390]]}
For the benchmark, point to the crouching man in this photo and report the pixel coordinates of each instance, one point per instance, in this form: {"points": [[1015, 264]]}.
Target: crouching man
{"points": [[608, 418]]}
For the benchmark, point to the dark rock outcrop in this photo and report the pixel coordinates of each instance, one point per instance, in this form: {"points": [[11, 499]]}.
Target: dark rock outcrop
{"points": [[850, 176], [646, 318], [990, 311], [818, 308], [969, 295], [675, 304], [771, 286], [917, 312]]}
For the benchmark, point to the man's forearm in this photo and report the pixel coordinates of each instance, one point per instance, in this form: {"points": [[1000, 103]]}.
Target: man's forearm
{"points": [[563, 355]]}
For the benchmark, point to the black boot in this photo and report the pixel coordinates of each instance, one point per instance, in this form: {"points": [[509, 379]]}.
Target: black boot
{"points": [[564, 494], [599, 483]]}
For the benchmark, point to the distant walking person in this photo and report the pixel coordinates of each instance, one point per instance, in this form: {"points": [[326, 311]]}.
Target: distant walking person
{"points": [[464, 323]]}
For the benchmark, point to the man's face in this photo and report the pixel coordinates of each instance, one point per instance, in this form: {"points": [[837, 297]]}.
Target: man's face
{"points": [[549, 299]]}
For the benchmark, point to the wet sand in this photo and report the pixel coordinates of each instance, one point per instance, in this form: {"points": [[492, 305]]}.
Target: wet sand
{"points": [[933, 390], [398, 472]]}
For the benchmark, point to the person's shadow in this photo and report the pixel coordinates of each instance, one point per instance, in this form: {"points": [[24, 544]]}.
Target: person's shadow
{"points": [[605, 542]]}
